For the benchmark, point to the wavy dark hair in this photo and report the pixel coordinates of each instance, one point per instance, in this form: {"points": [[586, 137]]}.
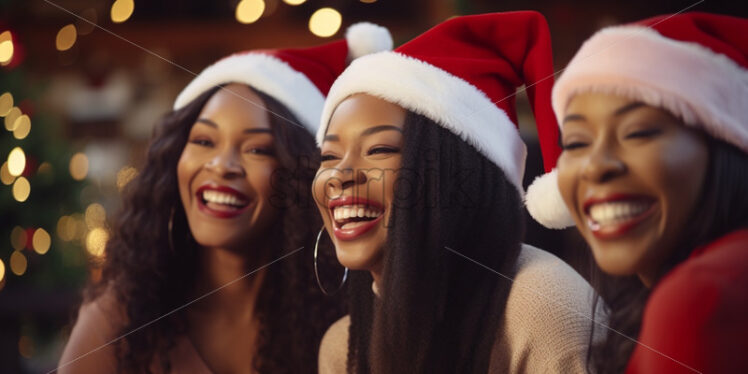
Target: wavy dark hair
{"points": [[722, 207], [149, 278], [442, 312]]}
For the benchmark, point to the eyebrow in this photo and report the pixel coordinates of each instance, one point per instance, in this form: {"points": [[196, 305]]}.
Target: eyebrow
{"points": [[367, 132], [627, 108], [574, 117], [210, 123]]}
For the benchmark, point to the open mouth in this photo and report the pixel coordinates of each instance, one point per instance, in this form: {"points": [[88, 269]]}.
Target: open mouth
{"points": [[353, 217], [615, 216], [222, 201]]}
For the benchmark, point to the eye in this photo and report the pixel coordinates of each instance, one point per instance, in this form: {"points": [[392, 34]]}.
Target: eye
{"points": [[382, 150], [327, 157], [261, 151], [573, 145], [202, 142], [647, 133]]}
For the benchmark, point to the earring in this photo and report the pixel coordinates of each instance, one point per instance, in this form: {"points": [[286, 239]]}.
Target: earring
{"points": [[316, 271]]}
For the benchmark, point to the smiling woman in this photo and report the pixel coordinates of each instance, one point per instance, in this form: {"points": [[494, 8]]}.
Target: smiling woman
{"points": [[190, 283], [654, 173]]}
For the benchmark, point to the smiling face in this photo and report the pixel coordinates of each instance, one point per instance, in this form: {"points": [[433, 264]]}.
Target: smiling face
{"points": [[225, 168], [354, 187], [631, 176]]}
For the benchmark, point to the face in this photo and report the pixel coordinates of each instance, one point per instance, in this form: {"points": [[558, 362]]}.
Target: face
{"points": [[631, 175], [225, 168], [354, 187]]}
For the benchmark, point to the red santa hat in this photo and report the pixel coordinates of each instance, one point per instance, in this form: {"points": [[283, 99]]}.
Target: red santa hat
{"points": [[298, 78], [463, 74], [693, 65]]}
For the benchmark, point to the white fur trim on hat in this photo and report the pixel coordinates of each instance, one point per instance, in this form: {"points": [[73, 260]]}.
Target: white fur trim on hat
{"points": [[545, 204], [364, 38], [446, 99], [264, 73], [705, 89]]}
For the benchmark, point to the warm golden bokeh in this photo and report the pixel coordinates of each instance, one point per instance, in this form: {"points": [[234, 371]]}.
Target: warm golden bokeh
{"points": [[325, 22]]}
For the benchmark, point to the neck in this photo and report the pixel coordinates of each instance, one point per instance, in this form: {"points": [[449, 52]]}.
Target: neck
{"points": [[233, 276]]}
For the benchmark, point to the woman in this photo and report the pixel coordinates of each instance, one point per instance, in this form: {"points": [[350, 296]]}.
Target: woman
{"points": [[419, 188], [190, 283], [654, 173]]}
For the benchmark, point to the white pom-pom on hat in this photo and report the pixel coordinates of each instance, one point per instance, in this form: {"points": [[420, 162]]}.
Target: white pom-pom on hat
{"points": [[545, 204], [364, 38]]}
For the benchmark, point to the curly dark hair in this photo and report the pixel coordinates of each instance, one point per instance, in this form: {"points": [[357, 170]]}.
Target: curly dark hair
{"points": [[149, 279], [721, 208], [440, 314]]}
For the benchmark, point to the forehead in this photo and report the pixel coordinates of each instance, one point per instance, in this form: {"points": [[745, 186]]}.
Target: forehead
{"points": [[360, 111], [596, 105], [236, 105]]}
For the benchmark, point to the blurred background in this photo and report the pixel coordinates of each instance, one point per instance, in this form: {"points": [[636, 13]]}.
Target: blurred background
{"points": [[82, 83]]}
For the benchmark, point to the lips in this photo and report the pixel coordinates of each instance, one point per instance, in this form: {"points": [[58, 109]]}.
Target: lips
{"points": [[354, 216], [221, 201], [615, 215]]}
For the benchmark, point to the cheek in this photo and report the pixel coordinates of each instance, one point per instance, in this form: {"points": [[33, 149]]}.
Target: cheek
{"points": [[260, 178]]}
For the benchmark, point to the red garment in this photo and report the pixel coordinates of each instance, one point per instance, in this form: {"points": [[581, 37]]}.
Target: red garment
{"points": [[698, 314]]}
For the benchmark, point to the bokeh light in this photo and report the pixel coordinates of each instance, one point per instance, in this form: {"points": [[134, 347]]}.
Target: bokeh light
{"points": [[16, 161], [6, 47], [11, 117], [294, 2], [18, 238], [96, 242], [66, 37], [248, 11], [79, 166], [66, 228], [22, 127], [21, 189], [2, 271], [6, 103], [18, 263], [41, 241], [95, 216], [5, 176], [122, 10], [85, 24], [125, 175], [25, 347], [325, 22]]}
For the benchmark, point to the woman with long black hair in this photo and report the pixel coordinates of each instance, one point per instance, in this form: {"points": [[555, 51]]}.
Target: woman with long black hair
{"points": [[209, 268], [654, 173], [419, 189]]}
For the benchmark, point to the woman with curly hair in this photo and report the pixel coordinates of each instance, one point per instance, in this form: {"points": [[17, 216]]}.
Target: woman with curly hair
{"points": [[209, 268], [420, 191], [654, 173]]}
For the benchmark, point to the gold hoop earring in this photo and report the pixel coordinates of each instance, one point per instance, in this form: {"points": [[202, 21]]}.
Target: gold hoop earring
{"points": [[316, 271]]}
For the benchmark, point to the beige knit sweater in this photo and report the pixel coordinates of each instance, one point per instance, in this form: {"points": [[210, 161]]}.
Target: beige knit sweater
{"points": [[546, 323]]}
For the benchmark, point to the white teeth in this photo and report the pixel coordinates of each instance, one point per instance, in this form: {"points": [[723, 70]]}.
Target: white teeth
{"points": [[217, 197], [613, 212], [344, 212]]}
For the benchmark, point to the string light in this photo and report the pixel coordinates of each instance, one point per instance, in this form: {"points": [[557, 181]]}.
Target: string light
{"points": [[294, 2], [66, 37], [2, 271], [6, 103], [95, 216], [16, 162], [21, 189], [18, 263], [79, 166], [22, 127], [122, 10], [41, 241], [325, 22], [248, 11], [6, 48], [125, 175]]}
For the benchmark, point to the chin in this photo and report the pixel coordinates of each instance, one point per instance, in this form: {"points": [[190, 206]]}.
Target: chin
{"points": [[357, 256]]}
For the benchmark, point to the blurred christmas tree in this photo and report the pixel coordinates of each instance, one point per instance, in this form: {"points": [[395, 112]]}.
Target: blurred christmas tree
{"points": [[43, 226]]}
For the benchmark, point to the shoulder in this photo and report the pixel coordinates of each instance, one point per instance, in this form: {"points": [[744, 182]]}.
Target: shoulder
{"points": [[333, 350], [700, 305], [87, 349], [548, 316]]}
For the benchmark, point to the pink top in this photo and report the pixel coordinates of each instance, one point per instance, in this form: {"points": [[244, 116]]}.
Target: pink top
{"points": [[90, 348]]}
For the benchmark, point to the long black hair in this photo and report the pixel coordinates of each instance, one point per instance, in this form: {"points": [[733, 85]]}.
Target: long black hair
{"points": [[440, 312], [722, 207], [150, 276]]}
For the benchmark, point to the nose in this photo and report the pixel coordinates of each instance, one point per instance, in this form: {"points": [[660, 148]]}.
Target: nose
{"points": [[226, 164], [342, 178], [603, 164]]}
